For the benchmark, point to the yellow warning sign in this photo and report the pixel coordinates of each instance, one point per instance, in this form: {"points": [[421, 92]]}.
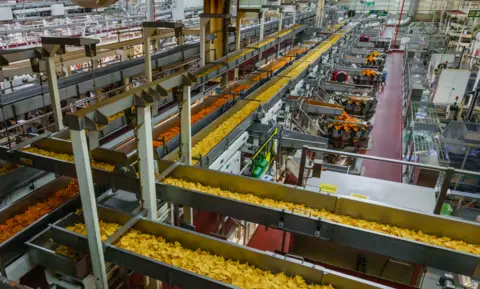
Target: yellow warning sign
{"points": [[327, 188], [359, 196]]}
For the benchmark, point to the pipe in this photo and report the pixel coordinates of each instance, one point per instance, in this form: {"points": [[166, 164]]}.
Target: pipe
{"points": [[398, 26], [477, 34], [393, 22], [403, 22], [413, 8]]}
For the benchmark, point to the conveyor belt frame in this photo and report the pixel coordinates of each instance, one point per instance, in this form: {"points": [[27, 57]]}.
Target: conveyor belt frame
{"points": [[175, 276]]}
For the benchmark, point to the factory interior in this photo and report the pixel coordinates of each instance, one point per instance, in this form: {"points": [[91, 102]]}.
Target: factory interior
{"points": [[257, 144]]}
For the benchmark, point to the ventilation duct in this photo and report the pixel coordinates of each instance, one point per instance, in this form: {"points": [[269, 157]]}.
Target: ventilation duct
{"points": [[404, 22]]}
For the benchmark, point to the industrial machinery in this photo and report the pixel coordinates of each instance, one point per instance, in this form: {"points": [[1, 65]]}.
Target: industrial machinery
{"points": [[225, 147]]}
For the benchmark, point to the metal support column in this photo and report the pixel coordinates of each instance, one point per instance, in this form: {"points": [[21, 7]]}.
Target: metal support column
{"points": [[440, 25], [203, 40], [94, 61], [181, 39], [150, 10], [186, 141], [54, 93], [145, 159], [126, 83], [148, 58], [460, 39], [238, 31], [319, 14], [186, 126], [303, 163], [465, 157], [261, 18], [280, 27], [443, 190], [87, 195], [280, 19]]}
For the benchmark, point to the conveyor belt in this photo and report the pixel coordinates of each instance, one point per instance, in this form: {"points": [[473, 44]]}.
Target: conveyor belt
{"points": [[59, 160], [174, 274], [14, 246], [234, 59], [18, 178], [240, 87], [209, 143], [29, 99], [127, 182], [166, 134], [65, 168], [299, 219], [43, 251]]}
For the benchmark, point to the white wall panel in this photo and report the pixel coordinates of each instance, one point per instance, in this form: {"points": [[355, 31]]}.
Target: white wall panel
{"points": [[6, 13]]}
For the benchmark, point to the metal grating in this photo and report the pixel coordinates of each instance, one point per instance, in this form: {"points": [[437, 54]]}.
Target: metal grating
{"points": [[424, 116]]}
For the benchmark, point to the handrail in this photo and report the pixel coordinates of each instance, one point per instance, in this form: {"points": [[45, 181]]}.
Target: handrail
{"points": [[447, 172]]}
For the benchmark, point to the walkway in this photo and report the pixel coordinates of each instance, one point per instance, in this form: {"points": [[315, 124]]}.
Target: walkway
{"points": [[387, 128]]}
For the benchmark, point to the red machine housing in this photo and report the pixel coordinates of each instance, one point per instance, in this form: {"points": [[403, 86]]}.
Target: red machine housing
{"points": [[340, 76], [364, 38]]}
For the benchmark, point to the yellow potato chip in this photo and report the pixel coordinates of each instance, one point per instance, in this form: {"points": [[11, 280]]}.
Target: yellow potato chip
{"points": [[302, 209], [200, 262]]}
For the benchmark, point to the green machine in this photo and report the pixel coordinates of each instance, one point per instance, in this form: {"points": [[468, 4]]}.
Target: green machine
{"points": [[264, 157], [378, 12]]}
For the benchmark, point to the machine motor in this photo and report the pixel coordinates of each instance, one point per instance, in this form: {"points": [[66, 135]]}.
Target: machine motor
{"points": [[340, 76]]}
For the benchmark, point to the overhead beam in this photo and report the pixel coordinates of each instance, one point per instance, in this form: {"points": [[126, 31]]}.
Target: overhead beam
{"points": [[95, 117], [70, 41]]}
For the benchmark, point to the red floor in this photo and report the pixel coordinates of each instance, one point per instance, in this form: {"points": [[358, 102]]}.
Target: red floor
{"points": [[269, 240], [387, 128]]}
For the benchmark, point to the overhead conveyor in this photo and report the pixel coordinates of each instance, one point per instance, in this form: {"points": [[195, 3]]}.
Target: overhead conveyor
{"points": [[65, 167], [78, 85], [210, 142], [166, 131], [232, 60]]}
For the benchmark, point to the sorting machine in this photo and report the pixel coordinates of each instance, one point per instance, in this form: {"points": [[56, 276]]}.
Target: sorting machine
{"points": [[367, 41], [339, 110], [113, 169], [359, 96], [330, 121]]}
